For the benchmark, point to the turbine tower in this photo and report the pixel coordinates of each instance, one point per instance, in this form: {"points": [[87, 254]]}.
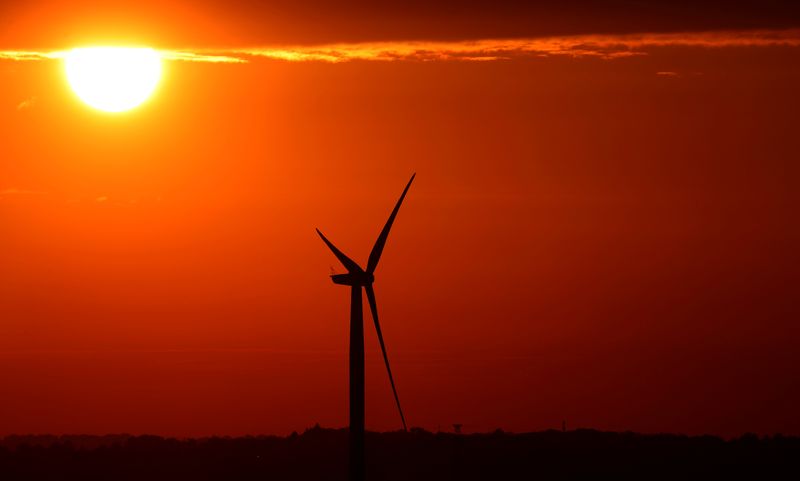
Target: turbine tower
{"points": [[358, 278]]}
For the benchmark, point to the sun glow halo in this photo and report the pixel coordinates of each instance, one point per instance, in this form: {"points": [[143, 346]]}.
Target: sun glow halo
{"points": [[113, 79]]}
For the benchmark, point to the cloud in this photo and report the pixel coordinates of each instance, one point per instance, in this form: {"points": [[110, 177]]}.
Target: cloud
{"points": [[208, 57], [27, 104], [169, 55], [578, 46], [481, 50], [12, 191], [19, 55], [600, 46]]}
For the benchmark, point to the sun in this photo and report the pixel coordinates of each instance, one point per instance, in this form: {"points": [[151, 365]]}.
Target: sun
{"points": [[113, 79]]}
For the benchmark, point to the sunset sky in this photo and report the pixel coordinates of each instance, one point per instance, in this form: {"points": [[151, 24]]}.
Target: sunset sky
{"points": [[603, 228]]}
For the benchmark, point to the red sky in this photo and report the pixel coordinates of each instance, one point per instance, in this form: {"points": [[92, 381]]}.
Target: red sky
{"points": [[606, 240]]}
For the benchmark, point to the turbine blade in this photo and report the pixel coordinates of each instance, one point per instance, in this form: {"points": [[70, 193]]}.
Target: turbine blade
{"points": [[348, 263], [375, 255], [374, 309]]}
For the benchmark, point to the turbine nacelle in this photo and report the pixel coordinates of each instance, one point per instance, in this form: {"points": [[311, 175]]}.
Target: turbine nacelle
{"points": [[354, 279]]}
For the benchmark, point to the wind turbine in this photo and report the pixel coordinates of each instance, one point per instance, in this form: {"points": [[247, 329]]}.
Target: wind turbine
{"points": [[358, 278]]}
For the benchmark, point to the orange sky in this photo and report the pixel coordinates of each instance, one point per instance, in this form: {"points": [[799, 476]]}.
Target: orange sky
{"points": [[608, 240]]}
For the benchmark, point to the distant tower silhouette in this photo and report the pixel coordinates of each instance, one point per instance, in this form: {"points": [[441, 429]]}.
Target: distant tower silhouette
{"points": [[358, 278], [563, 426], [457, 428]]}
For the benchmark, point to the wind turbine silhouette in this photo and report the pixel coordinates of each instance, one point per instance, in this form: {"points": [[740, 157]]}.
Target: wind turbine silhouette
{"points": [[357, 278]]}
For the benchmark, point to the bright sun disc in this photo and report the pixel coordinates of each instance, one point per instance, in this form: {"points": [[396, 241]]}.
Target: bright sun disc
{"points": [[113, 79]]}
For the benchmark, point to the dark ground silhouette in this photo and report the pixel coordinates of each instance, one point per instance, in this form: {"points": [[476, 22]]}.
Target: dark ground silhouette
{"points": [[321, 454]]}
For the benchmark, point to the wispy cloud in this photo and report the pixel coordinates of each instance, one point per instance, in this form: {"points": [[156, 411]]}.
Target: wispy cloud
{"points": [[22, 55], [598, 46], [12, 191], [601, 46], [170, 55], [200, 57], [27, 104]]}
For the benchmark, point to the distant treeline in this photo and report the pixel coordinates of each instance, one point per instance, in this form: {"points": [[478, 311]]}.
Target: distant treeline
{"points": [[321, 454]]}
